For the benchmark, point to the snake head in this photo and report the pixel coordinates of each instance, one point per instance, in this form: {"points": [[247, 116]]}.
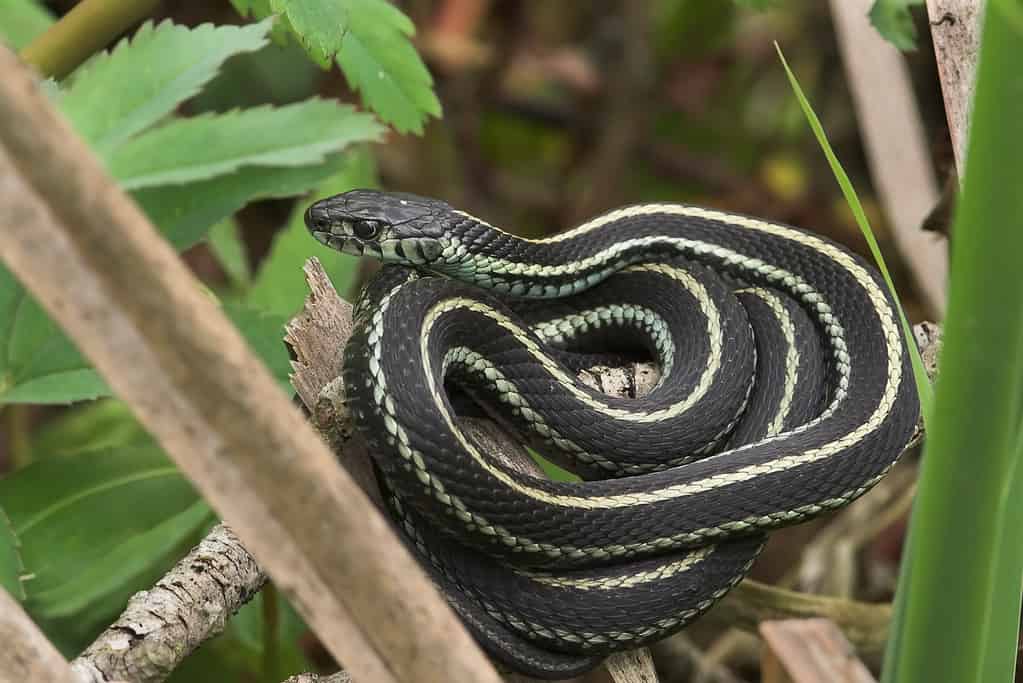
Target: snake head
{"points": [[391, 226]]}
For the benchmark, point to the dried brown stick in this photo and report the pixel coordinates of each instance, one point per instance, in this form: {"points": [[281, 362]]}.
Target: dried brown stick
{"points": [[25, 653], [749, 603], [809, 651], [955, 31], [119, 290], [189, 605]]}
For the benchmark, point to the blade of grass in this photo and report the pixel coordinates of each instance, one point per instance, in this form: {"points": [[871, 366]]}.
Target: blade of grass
{"points": [[962, 589], [919, 373], [923, 385]]}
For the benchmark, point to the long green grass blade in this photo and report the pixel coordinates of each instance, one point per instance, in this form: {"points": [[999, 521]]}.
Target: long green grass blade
{"points": [[923, 385], [919, 373], [962, 589]]}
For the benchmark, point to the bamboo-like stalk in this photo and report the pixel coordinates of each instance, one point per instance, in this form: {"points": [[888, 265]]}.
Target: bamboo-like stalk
{"points": [[86, 29], [962, 587]]}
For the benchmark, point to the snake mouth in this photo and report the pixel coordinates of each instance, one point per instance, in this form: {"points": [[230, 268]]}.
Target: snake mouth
{"points": [[340, 238], [413, 251]]}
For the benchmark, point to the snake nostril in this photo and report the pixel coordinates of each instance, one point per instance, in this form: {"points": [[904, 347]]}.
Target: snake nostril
{"points": [[316, 218]]}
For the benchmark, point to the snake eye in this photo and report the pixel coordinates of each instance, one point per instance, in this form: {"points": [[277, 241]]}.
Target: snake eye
{"points": [[365, 230]]}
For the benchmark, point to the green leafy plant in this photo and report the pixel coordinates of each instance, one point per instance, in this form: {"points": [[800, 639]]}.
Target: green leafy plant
{"points": [[369, 40]]}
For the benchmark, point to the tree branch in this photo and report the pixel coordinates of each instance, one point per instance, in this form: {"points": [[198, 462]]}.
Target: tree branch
{"points": [[189, 605]]}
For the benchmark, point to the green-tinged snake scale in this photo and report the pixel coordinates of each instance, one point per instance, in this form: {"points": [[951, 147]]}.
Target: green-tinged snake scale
{"points": [[785, 391]]}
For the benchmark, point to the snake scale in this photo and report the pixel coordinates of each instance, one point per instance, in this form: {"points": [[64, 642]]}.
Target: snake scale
{"points": [[785, 391]]}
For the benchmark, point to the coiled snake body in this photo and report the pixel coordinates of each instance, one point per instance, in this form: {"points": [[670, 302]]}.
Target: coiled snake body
{"points": [[785, 391]]}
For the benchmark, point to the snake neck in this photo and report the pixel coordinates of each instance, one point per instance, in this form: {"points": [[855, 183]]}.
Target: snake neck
{"points": [[477, 252]]}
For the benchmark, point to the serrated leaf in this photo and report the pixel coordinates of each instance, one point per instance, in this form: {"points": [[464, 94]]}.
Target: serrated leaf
{"points": [[118, 94], [11, 566], [203, 147], [894, 21], [185, 213], [278, 74], [260, 9], [70, 513], [370, 39], [38, 363], [280, 284], [21, 21]]}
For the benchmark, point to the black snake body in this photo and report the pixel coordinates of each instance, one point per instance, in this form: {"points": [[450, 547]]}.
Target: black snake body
{"points": [[786, 391]]}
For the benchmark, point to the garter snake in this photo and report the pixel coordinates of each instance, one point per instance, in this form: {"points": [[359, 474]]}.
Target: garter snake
{"points": [[785, 392]]}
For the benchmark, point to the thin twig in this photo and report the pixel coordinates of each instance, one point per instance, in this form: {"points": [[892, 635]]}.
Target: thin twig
{"points": [[188, 606]]}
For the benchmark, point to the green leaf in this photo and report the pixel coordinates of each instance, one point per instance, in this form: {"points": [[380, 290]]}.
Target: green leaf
{"points": [[21, 21], [93, 426], [38, 363], [72, 513], [280, 284], [370, 39], [184, 213], [11, 565], [118, 94], [276, 74], [894, 21], [226, 244], [923, 384], [203, 147], [265, 334], [122, 563]]}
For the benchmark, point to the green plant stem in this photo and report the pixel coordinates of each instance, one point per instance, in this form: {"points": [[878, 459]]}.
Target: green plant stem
{"points": [[16, 423], [962, 589], [86, 29]]}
